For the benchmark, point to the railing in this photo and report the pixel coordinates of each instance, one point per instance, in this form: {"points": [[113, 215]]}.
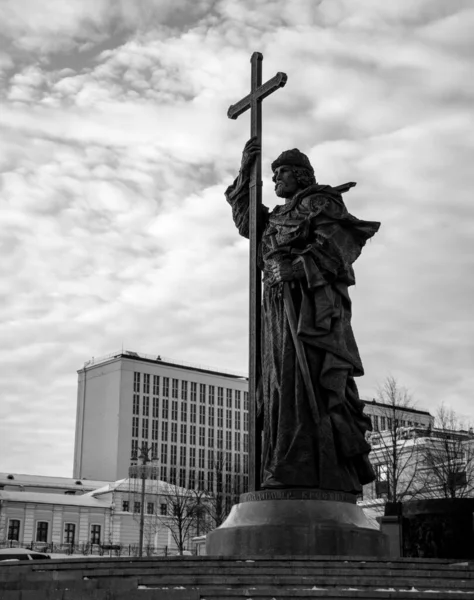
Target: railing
{"points": [[88, 549], [164, 359]]}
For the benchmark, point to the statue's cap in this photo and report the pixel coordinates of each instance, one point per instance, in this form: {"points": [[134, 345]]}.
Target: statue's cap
{"points": [[292, 157]]}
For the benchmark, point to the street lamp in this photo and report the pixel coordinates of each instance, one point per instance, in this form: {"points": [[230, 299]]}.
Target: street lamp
{"points": [[144, 471]]}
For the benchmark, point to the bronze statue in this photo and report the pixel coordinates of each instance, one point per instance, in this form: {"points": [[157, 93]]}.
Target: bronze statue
{"points": [[313, 422]]}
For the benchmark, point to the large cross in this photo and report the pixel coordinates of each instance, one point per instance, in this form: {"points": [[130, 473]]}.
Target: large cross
{"points": [[254, 101]]}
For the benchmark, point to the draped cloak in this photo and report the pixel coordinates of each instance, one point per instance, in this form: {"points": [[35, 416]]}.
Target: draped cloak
{"points": [[316, 229]]}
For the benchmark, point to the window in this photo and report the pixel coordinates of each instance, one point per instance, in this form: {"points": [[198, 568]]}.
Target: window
{"points": [[220, 417], [156, 385], [150, 508], [228, 419], [164, 453], [69, 533], [14, 530], [246, 421], [237, 399], [202, 436], [192, 434], [201, 480], [220, 439], [210, 481], [192, 457], [154, 451], [202, 392], [134, 448], [145, 429], [193, 413], [202, 415], [237, 420], [229, 398], [184, 436], [383, 423], [174, 388], [154, 429], [163, 509], [174, 432], [220, 396], [210, 416], [192, 480], [375, 421], [182, 457], [184, 390], [202, 454], [210, 438], [174, 410], [166, 386], [237, 441], [193, 391], [237, 485], [228, 461], [135, 427], [125, 506], [246, 400], [237, 463], [146, 383], [163, 473], [210, 459], [164, 408], [389, 423], [42, 531], [136, 507], [136, 404], [246, 442], [228, 440], [182, 477], [173, 475], [228, 483], [211, 395], [136, 382], [95, 534], [184, 412], [173, 455], [246, 463], [156, 406], [164, 431], [146, 406], [245, 484]]}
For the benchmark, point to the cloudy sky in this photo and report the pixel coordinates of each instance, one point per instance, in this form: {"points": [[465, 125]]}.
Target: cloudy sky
{"points": [[115, 151]]}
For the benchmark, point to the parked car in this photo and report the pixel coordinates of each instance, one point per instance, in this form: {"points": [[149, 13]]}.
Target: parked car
{"points": [[10, 554]]}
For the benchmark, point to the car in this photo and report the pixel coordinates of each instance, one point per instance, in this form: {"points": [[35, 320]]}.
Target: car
{"points": [[15, 554]]}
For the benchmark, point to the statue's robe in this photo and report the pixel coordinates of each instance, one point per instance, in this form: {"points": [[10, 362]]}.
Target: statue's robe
{"points": [[299, 450]]}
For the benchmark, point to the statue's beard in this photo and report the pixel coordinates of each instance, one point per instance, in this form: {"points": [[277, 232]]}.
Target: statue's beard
{"points": [[282, 191]]}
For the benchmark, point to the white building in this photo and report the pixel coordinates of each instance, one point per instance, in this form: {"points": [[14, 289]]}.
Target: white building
{"points": [[187, 414]]}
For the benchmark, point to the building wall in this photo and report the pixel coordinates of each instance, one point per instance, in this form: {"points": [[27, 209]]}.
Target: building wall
{"points": [[106, 397]]}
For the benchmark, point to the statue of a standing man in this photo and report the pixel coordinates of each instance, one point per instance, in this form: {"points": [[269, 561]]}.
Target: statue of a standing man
{"points": [[313, 423]]}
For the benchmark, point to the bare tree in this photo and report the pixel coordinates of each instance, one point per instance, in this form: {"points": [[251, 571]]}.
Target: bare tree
{"points": [[448, 458], [394, 452], [225, 489], [184, 513]]}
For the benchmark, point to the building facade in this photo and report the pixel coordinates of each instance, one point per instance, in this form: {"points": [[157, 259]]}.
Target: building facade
{"points": [[194, 419]]}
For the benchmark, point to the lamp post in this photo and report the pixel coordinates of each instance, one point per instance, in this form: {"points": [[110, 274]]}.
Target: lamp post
{"points": [[144, 471]]}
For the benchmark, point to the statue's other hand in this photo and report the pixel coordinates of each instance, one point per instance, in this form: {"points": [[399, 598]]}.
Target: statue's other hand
{"points": [[282, 272], [250, 153]]}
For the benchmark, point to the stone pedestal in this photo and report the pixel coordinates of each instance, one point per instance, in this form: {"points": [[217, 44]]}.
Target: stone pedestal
{"points": [[297, 522]]}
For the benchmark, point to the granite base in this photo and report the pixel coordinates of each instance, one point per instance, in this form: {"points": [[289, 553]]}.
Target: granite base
{"points": [[297, 522]]}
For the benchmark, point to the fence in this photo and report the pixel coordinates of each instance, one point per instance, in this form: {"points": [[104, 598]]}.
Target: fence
{"points": [[88, 549]]}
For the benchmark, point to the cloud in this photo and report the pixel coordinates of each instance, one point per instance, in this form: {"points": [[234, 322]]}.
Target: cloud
{"points": [[115, 153]]}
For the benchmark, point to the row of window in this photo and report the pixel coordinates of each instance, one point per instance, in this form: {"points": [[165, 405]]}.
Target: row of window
{"points": [[231, 417], [230, 483], [161, 387], [383, 423], [183, 434], [42, 530]]}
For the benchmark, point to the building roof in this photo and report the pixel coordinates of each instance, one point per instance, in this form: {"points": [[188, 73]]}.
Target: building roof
{"points": [[151, 486], [48, 482], [61, 499], [158, 360], [398, 408]]}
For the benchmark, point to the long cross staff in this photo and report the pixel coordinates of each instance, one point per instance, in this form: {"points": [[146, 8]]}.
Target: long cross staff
{"points": [[254, 101]]}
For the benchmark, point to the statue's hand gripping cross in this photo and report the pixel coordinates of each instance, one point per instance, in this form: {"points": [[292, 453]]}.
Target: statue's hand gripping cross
{"points": [[254, 101]]}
